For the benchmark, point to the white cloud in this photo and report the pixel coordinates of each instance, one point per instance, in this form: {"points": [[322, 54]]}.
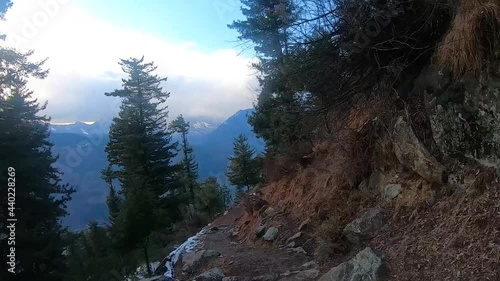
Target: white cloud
{"points": [[83, 54]]}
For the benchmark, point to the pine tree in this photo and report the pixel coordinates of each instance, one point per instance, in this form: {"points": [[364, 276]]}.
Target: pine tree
{"points": [[40, 196], [210, 197], [243, 169], [267, 25], [189, 166], [141, 152]]}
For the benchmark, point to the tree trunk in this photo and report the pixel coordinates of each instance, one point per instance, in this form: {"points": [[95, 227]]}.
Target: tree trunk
{"points": [[146, 258]]}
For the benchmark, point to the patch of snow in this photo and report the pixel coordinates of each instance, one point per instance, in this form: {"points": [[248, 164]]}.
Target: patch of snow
{"points": [[185, 247], [84, 132], [142, 271]]}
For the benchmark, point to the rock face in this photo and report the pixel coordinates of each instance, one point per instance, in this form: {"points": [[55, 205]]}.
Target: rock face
{"points": [[463, 114], [365, 227], [391, 191], [271, 234], [191, 260], [215, 274], [367, 265], [414, 156]]}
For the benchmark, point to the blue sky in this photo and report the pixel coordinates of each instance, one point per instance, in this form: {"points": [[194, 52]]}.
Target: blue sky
{"points": [[84, 39], [202, 21]]}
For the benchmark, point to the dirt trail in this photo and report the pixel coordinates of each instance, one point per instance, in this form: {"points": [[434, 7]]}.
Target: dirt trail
{"points": [[243, 260]]}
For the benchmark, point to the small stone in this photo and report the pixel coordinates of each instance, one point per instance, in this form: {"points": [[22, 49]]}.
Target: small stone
{"points": [[290, 245], [233, 234], [269, 211], [391, 191], [299, 250], [260, 230], [363, 185], [310, 264], [271, 234]]}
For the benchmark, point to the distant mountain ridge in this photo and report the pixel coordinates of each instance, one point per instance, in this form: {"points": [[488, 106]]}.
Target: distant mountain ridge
{"points": [[81, 150]]}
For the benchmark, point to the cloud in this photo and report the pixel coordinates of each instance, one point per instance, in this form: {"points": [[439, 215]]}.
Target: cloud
{"points": [[84, 51]]}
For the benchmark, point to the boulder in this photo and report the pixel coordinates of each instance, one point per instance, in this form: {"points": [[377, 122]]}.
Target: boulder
{"points": [[260, 230], [391, 191], [271, 234], [367, 265], [214, 274], [191, 260], [413, 155], [365, 227]]}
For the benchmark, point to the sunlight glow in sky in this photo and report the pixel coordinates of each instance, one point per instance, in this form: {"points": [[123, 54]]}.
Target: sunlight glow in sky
{"points": [[83, 40]]}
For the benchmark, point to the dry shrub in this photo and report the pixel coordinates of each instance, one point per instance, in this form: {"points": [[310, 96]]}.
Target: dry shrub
{"points": [[473, 39], [275, 166]]}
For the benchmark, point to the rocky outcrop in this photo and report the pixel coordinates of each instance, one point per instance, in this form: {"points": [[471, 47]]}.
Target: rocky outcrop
{"points": [[271, 234], [367, 265], [463, 114], [365, 227], [214, 274], [413, 155], [191, 260]]}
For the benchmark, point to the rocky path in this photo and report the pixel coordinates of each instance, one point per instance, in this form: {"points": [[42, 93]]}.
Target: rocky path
{"points": [[226, 257]]}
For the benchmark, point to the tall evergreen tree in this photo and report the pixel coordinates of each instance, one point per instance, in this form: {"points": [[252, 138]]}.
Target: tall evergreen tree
{"points": [[40, 197], [210, 197], [243, 169], [267, 25], [141, 152], [189, 165]]}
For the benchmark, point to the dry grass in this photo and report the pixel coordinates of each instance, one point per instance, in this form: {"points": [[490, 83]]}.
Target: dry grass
{"points": [[473, 39], [456, 239]]}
